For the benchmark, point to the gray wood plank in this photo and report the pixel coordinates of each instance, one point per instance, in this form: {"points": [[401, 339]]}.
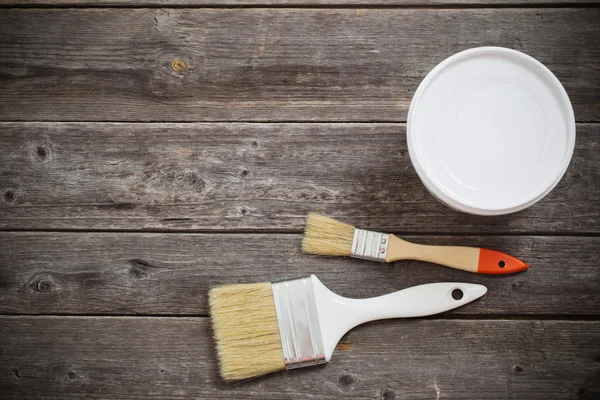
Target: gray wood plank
{"points": [[252, 177], [170, 274], [267, 64], [289, 3], [173, 358]]}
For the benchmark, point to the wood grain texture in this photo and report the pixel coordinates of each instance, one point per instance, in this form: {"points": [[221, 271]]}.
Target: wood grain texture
{"points": [[252, 177], [248, 187], [173, 358], [170, 274], [290, 3], [267, 64]]}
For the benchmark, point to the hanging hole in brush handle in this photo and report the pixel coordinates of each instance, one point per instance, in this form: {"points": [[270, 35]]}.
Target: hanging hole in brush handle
{"points": [[457, 294], [497, 262]]}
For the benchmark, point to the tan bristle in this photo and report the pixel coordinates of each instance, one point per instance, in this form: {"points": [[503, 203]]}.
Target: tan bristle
{"points": [[327, 236], [246, 330]]}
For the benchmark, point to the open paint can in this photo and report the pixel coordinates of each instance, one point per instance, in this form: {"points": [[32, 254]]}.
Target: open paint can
{"points": [[490, 131]]}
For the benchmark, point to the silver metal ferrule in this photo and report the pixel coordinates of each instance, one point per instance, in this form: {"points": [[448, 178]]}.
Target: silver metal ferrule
{"points": [[370, 245], [298, 323]]}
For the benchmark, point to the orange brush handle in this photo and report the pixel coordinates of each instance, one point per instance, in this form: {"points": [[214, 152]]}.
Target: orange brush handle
{"points": [[497, 262]]}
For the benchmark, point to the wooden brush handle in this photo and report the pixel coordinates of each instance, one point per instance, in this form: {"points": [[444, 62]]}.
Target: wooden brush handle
{"points": [[472, 259]]}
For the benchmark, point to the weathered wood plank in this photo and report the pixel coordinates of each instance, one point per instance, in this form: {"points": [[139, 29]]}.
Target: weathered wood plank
{"points": [[251, 177], [170, 274], [289, 3], [267, 64], [168, 358]]}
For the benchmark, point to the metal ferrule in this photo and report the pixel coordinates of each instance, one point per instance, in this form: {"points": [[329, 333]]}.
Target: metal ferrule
{"points": [[370, 245], [298, 323]]}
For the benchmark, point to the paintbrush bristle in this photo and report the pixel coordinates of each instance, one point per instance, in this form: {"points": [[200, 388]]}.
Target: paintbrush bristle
{"points": [[246, 330], [327, 236]]}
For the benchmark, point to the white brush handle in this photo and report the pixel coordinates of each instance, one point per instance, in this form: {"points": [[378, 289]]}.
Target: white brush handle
{"points": [[417, 301], [337, 314]]}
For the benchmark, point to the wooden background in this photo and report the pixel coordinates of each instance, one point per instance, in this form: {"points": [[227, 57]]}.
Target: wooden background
{"points": [[152, 149]]}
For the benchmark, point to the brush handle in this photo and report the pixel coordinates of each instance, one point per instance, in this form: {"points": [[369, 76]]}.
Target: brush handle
{"points": [[416, 301], [472, 259], [337, 314]]}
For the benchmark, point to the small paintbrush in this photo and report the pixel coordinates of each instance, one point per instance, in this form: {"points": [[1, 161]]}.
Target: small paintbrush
{"points": [[266, 327], [327, 236]]}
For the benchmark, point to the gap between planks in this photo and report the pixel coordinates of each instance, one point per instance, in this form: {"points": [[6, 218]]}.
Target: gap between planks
{"points": [[453, 317], [315, 6], [272, 231]]}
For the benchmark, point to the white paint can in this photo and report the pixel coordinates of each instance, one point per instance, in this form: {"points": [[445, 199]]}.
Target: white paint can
{"points": [[490, 131]]}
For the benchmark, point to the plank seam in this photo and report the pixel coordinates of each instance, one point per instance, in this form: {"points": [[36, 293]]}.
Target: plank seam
{"points": [[294, 232], [247, 122], [408, 6], [453, 317]]}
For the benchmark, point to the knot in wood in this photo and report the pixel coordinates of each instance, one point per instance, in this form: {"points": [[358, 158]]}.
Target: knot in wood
{"points": [[347, 381], [244, 172], [42, 153], [9, 196], [517, 369], [387, 393], [44, 285], [178, 65], [139, 269]]}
